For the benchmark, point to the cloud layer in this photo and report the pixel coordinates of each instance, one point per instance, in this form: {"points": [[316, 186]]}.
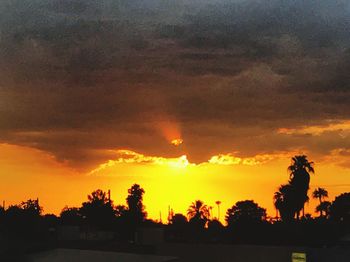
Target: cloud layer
{"points": [[79, 78]]}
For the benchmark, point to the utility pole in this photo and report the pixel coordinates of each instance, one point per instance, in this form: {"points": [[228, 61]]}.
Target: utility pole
{"points": [[210, 211], [170, 214], [218, 203]]}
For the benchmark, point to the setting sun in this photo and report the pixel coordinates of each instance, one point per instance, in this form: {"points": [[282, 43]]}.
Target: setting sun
{"points": [[177, 142]]}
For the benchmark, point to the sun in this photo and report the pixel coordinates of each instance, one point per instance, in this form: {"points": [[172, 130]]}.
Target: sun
{"points": [[177, 141]]}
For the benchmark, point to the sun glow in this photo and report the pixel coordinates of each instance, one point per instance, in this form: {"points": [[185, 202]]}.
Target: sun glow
{"points": [[131, 157], [177, 141], [170, 130], [174, 182], [180, 162]]}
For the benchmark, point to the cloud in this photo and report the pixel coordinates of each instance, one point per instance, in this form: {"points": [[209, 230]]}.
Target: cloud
{"points": [[317, 130], [231, 159], [131, 157], [79, 78], [124, 156], [227, 159]]}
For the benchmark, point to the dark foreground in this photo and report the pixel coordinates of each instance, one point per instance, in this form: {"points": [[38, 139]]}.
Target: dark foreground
{"points": [[182, 253]]}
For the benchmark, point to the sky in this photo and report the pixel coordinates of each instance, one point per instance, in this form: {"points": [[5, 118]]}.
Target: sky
{"points": [[191, 99]]}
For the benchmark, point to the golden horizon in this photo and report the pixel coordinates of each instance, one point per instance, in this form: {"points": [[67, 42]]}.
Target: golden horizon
{"points": [[173, 182]]}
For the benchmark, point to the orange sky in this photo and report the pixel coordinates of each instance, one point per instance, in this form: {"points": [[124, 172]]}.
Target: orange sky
{"points": [[30, 173], [200, 100]]}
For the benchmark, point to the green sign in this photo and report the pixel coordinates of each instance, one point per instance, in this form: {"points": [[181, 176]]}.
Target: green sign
{"points": [[298, 257]]}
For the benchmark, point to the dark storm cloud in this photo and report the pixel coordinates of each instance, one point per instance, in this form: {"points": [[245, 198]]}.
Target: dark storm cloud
{"points": [[78, 77]]}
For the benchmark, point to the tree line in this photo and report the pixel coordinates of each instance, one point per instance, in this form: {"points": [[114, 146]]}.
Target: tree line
{"points": [[246, 221]]}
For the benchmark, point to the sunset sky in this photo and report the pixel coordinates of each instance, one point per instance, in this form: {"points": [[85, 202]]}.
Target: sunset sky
{"points": [[192, 99]]}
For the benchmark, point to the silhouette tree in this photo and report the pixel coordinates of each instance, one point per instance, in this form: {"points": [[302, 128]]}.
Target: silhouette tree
{"points": [[198, 214], [24, 220], [198, 211], [52, 219], [307, 217], [71, 216], [99, 196], [215, 225], [284, 202], [31, 212], [178, 227], [31, 207], [245, 212], [13, 211], [120, 210], [324, 206], [299, 165], [306, 201], [136, 212], [290, 199], [299, 180], [98, 210], [215, 230], [340, 208], [178, 220], [15, 220], [320, 193], [2, 212], [278, 201]]}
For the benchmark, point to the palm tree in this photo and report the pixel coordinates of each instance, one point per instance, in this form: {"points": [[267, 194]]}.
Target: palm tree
{"points": [[277, 201], [300, 170], [323, 207], [306, 201], [320, 193], [218, 203], [198, 210], [300, 163], [284, 202]]}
